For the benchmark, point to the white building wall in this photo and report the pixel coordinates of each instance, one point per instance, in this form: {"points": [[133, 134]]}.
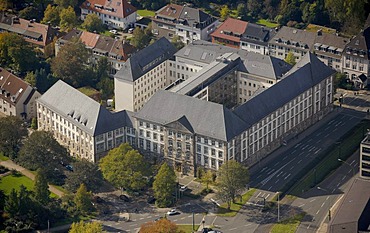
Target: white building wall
{"points": [[256, 48], [112, 21], [124, 95]]}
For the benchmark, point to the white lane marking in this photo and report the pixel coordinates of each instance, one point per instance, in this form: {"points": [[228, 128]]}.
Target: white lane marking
{"points": [[317, 151], [317, 212], [141, 218], [309, 140], [287, 176], [291, 168], [277, 181], [301, 205], [267, 195], [248, 225], [301, 153], [300, 161], [318, 141], [322, 204], [270, 188], [285, 157], [293, 151], [232, 229], [132, 225], [326, 135], [313, 200]]}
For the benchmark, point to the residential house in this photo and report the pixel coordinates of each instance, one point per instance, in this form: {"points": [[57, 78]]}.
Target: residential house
{"points": [[81, 124], [229, 32], [256, 37], [356, 56], [188, 23], [142, 75], [37, 34], [17, 98], [117, 51], [117, 14]]}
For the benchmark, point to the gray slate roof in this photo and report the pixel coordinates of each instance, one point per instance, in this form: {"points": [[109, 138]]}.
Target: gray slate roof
{"points": [[196, 16], [308, 72], [134, 67], [255, 33], [83, 111], [206, 118], [253, 63], [294, 35]]}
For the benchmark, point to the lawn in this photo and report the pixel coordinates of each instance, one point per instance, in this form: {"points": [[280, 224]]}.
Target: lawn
{"points": [[187, 228], [235, 207], [267, 23], [3, 157], [315, 28], [11, 181], [146, 13], [289, 225]]}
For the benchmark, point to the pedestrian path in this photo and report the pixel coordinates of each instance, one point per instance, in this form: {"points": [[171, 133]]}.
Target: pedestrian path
{"points": [[12, 166]]}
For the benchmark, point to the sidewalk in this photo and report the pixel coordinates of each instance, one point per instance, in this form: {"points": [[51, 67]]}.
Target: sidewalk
{"points": [[12, 166]]}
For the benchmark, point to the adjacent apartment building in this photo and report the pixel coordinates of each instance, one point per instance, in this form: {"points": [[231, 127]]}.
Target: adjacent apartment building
{"points": [[245, 35], [117, 14], [188, 23], [142, 75], [117, 51], [81, 124], [365, 158], [17, 98], [37, 34]]}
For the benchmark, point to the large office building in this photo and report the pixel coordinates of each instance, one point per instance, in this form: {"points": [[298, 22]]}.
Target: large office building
{"points": [[190, 132], [365, 158], [142, 75], [81, 124]]}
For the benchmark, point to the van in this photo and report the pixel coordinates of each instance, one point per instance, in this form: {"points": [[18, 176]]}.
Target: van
{"points": [[131, 30]]}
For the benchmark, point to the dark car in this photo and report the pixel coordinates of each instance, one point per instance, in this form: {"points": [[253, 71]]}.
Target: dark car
{"points": [[69, 168], [151, 200], [206, 230], [124, 198]]}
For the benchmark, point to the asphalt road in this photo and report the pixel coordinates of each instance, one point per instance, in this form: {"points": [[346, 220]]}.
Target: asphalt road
{"points": [[271, 178]]}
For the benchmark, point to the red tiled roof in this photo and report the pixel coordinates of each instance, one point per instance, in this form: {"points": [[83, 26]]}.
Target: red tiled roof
{"points": [[120, 8], [89, 39], [12, 85], [170, 10], [230, 25]]}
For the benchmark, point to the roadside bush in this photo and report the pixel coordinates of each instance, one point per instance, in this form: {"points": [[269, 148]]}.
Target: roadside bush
{"points": [[3, 170]]}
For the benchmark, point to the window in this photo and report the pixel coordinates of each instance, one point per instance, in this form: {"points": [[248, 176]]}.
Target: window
{"points": [[205, 150]]}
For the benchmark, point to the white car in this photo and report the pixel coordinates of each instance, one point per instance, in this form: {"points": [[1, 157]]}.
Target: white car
{"points": [[172, 212], [113, 31], [183, 188]]}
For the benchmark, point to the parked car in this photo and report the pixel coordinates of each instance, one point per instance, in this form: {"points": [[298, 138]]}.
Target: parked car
{"points": [[183, 188], [172, 212], [124, 198], [131, 30], [113, 31], [69, 167]]}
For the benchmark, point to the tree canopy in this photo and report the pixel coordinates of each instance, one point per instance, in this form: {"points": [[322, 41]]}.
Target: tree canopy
{"points": [[231, 181], [125, 168], [12, 132], [42, 151], [84, 172], [68, 19], [140, 38], [164, 185], [51, 15], [83, 200], [88, 227], [41, 189], [70, 64], [160, 226], [290, 59], [93, 23]]}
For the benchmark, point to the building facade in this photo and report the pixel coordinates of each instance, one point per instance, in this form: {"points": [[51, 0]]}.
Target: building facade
{"points": [[188, 23], [117, 14], [365, 158], [229, 33], [116, 51], [81, 124], [142, 75], [17, 98]]}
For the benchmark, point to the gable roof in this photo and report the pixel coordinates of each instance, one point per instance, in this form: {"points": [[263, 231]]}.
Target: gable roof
{"points": [[293, 35], [205, 118], [170, 11], [360, 45], [116, 8], [233, 26], [308, 72], [12, 88], [146, 59], [80, 109], [257, 32]]}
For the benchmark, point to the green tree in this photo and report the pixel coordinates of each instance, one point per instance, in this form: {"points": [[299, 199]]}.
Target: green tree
{"points": [[66, 3], [125, 168], [207, 178], [68, 19], [176, 41], [84, 172], [12, 132], [231, 181], [16, 53], [51, 15], [290, 59], [241, 10], [254, 7], [106, 87], [34, 123], [41, 150], [83, 200], [162, 225], [71, 64], [93, 23], [28, 13], [41, 189], [31, 78], [140, 38], [44, 79], [164, 185], [224, 12], [88, 227]]}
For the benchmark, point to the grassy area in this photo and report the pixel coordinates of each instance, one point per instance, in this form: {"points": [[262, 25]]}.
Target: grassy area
{"points": [[60, 188], [288, 226], [187, 228], [267, 23], [7, 183], [146, 13], [3, 157], [89, 91], [235, 207], [328, 160], [315, 28]]}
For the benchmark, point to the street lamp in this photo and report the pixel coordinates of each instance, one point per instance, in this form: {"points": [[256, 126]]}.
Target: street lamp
{"points": [[278, 207], [329, 213], [353, 170]]}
